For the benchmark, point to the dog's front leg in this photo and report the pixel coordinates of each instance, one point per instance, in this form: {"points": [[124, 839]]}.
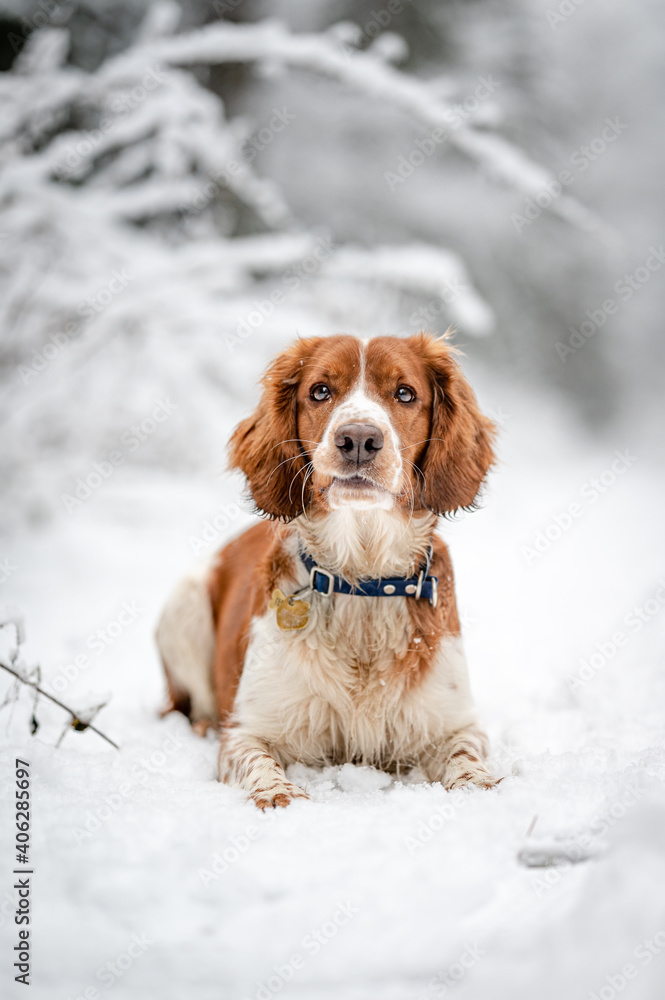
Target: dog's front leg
{"points": [[246, 761], [461, 761]]}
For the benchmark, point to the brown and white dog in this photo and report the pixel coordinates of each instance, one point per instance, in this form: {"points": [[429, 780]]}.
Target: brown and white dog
{"points": [[354, 450]]}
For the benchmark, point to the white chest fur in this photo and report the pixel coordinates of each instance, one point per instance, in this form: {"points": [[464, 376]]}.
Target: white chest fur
{"points": [[335, 691]]}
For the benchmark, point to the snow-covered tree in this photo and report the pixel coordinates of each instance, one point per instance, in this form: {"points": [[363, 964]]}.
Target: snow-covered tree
{"points": [[142, 252]]}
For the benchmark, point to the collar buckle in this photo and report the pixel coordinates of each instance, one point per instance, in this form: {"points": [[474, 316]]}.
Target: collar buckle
{"points": [[329, 577], [433, 582]]}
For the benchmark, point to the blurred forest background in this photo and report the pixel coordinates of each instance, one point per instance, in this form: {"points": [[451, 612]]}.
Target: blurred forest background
{"points": [[151, 201]]}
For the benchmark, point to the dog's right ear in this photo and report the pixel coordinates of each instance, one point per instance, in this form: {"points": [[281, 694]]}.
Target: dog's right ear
{"points": [[266, 447], [460, 451]]}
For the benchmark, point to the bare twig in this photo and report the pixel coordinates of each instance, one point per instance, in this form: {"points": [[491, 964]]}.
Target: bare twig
{"points": [[77, 723]]}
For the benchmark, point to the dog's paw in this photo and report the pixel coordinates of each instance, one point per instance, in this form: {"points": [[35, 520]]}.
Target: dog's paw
{"points": [[279, 795], [201, 726], [477, 777]]}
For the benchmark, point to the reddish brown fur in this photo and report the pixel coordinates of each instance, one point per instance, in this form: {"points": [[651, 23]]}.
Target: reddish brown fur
{"points": [[246, 572], [429, 624]]}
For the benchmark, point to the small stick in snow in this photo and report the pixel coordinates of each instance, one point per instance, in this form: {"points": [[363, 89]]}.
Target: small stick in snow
{"points": [[77, 723], [12, 616]]}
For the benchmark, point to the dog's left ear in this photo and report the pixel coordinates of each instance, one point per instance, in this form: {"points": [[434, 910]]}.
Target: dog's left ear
{"points": [[459, 453], [265, 446]]}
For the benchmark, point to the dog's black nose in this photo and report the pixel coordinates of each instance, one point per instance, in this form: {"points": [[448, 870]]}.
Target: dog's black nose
{"points": [[359, 443]]}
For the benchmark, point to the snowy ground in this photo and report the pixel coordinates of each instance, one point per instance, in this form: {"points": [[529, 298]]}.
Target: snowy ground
{"points": [[375, 888]]}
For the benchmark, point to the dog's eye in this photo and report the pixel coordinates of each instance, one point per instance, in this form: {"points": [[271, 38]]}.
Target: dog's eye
{"points": [[405, 394], [320, 392]]}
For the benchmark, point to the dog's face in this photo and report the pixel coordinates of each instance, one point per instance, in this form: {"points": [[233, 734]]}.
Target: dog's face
{"points": [[382, 423], [363, 418]]}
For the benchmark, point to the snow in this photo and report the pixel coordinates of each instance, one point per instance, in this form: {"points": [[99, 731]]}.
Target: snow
{"points": [[425, 885], [432, 272]]}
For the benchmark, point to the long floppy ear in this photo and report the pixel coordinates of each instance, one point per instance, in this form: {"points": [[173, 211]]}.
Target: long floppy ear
{"points": [[459, 453], [265, 446]]}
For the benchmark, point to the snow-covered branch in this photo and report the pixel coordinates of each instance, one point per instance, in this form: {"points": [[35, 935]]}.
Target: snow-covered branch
{"points": [[368, 73]]}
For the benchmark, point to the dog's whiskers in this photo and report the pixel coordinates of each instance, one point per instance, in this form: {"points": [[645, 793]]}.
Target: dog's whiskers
{"points": [[305, 469], [416, 443], [293, 459]]}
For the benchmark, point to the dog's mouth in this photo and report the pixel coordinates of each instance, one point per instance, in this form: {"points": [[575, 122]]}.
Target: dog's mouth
{"points": [[359, 492], [356, 483]]}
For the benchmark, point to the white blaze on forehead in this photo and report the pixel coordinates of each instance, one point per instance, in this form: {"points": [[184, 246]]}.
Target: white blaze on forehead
{"points": [[359, 406], [360, 386]]}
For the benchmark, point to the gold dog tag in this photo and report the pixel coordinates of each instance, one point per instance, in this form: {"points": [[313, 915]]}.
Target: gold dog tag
{"points": [[291, 612], [278, 597]]}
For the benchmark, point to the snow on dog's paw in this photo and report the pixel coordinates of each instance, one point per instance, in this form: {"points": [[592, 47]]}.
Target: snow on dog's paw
{"points": [[279, 795], [481, 779]]}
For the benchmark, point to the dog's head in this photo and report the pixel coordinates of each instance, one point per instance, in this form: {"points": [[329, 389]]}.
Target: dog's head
{"points": [[383, 423]]}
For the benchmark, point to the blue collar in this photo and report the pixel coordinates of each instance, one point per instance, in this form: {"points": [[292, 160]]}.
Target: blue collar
{"points": [[420, 585]]}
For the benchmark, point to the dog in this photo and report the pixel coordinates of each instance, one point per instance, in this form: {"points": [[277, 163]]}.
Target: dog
{"points": [[328, 632]]}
